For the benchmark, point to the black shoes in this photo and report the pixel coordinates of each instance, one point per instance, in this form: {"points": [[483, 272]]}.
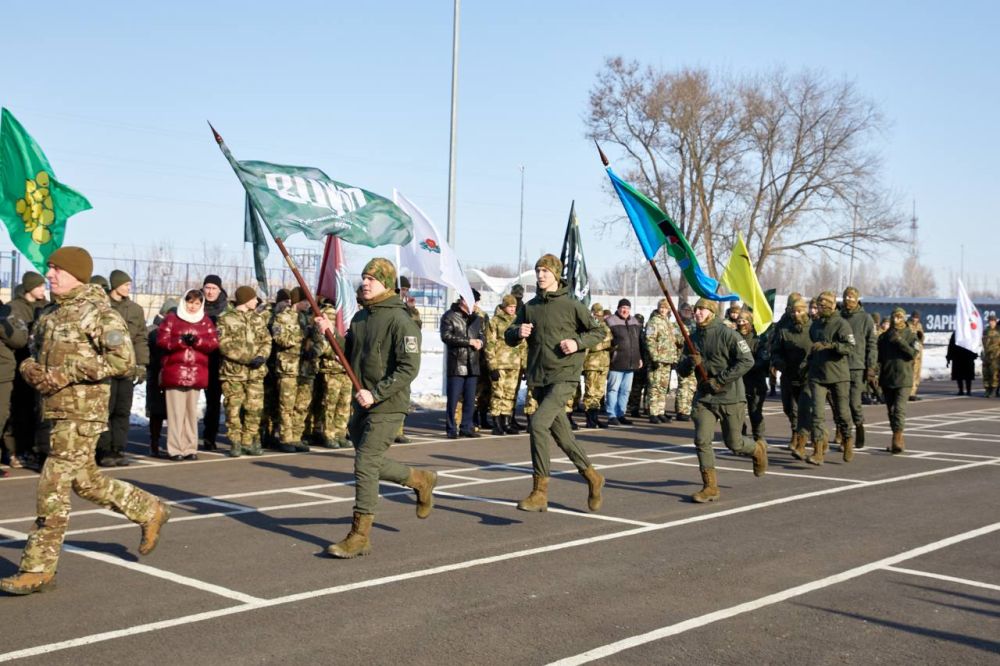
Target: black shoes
{"points": [[683, 417], [471, 434], [613, 421]]}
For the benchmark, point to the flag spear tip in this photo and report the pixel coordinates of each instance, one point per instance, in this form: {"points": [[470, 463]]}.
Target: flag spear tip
{"points": [[604, 158], [218, 137]]}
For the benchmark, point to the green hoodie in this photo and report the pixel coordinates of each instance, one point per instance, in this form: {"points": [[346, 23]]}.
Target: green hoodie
{"points": [[383, 348], [556, 316]]}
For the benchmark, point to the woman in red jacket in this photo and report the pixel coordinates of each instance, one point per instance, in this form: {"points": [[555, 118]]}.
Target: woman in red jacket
{"points": [[187, 337]]}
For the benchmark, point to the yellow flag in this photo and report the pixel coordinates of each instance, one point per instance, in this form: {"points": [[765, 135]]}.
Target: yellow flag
{"points": [[741, 279]]}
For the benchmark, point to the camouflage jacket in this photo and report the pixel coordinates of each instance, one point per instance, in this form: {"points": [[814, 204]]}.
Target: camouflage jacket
{"points": [[295, 341], [599, 356], [243, 336], [661, 345], [82, 338], [135, 320], [500, 355], [991, 344], [326, 358]]}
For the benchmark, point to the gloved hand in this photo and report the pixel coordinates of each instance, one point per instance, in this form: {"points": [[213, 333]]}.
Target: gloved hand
{"points": [[696, 359], [712, 387], [45, 380], [495, 375], [138, 375], [257, 362], [871, 375], [821, 346], [32, 372], [190, 339]]}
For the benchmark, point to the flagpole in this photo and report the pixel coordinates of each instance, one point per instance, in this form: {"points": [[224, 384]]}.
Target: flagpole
{"points": [[663, 287], [295, 270]]}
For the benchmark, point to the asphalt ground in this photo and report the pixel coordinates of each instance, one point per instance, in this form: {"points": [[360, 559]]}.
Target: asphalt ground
{"points": [[888, 559]]}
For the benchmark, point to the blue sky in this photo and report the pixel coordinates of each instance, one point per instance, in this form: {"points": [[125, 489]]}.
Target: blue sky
{"points": [[117, 93]]}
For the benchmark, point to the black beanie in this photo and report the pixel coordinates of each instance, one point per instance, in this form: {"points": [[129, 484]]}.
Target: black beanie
{"points": [[213, 279]]}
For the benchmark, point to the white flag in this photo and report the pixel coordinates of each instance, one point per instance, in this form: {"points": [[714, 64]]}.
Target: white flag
{"points": [[427, 255], [968, 323]]}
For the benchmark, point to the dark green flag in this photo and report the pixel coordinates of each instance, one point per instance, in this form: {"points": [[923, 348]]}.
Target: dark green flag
{"points": [[574, 271], [253, 233]]}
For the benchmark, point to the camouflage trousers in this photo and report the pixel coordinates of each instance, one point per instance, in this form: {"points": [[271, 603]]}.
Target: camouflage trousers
{"points": [[991, 370], [244, 403], [71, 465], [336, 405], [659, 388], [504, 392], [295, 394], [595, 386], [685, 394]]}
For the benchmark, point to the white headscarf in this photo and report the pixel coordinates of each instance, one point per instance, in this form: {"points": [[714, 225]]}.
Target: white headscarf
{"points": [[182, 311]]}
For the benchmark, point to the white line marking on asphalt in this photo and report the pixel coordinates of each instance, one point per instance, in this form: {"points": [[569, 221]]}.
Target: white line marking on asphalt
{"points": [[551, 509], [950, 579], [148, 570], [792, 592]]}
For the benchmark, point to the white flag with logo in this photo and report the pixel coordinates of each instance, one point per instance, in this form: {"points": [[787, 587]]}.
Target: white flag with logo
{"points": [[427, 255], [968, 323]]}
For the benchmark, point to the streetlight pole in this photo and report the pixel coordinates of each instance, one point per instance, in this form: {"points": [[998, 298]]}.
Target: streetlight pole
{"points": [[520, 235]]}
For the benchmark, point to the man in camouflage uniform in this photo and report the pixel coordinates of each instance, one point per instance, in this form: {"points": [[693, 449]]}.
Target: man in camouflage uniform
{"points": [[662, 354], [789, 351], [336, 386], [111, 443], [77, 345], [918, 330], [686, 386], [244, 344], [733, 317], [755, 379], [517, 291], [863, 358], [596, 364], [504, 363], [897, 349], [291, 332], [721, 397], [991, 357], [383, 348], [829, 373]]}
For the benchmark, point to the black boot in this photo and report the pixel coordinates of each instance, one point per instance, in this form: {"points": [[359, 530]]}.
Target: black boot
{"points": [[572, 423], [513, 424], [499, 426]]}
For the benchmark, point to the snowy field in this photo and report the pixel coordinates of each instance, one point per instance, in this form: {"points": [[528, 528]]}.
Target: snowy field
{"points": [[427, 390]]}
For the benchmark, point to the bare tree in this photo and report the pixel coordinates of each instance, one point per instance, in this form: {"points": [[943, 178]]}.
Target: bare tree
{"points": [[915, 279]]}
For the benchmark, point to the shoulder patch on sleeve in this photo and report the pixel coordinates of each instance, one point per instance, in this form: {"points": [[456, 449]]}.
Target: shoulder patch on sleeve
{"points": [[410, 345], [743, 347], [113, 339], [850, 338]]}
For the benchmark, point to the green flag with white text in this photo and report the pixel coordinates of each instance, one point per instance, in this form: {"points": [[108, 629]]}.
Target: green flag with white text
{"points": [[34, 206]]}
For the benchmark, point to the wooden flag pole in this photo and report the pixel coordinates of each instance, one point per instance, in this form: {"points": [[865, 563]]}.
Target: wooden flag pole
{"points": [[699, 368]]}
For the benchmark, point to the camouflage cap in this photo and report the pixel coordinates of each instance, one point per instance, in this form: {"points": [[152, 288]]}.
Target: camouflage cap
{"points": [[118, 278], [707, 304], [74, 260], [597, 309], [508, 301], [551, 263], [245, 294], [382, 270], [30, 280]]}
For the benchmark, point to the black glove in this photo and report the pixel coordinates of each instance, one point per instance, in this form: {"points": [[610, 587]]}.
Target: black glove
{"points": [[257, 362], [308, 354], [712, 387], [821, 346], [190, 339], [495, 375]]}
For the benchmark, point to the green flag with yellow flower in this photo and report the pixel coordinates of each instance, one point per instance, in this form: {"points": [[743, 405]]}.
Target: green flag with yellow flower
{"points": [[33, 204]]}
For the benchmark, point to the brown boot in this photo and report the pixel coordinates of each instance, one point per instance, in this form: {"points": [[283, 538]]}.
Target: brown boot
{"points": [[538, 500], [356, 543], [760, 458], [710, 488], [819, 451], [594, 484], [898, 446], [798, 446], [423, 482], [848, 449], [838, 438], [151, 530], [27, 582]]}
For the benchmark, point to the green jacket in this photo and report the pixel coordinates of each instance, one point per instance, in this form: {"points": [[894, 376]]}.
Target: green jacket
{"points": [[897, 348], [829, 366], [13, 338], [556, 316], [726, 357], [865, 353], [790, 347], [383, 348], [135, 319]]}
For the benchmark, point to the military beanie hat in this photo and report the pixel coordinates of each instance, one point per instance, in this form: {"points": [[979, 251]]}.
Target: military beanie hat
{"points": [[517, 291], [212, 279], [662, 303], [245, 294], [508, 301], [296, 295], [74, 260], [282, 295], [382, 270], [118, 278], [101, 282], [30, 280], [404, 282], [597, 309], [707, 304], [900, 311], [851, 291], [551, 263]]}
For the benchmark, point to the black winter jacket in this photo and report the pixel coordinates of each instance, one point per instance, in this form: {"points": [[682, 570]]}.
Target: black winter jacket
{"points": [[457, 329], [626, 342]]}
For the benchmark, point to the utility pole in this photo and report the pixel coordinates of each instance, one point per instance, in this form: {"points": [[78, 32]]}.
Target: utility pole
{"points": [[520, 236]]}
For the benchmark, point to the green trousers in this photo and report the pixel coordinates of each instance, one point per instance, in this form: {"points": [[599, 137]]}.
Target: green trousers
{"points": [[372, 436], [895, 404], [549, 424], [705, 416], [838, 400], [858, 384]]}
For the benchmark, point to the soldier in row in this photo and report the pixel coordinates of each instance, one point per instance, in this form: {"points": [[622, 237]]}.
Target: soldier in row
{"points": [[596, 364], [504, 362], [898, 349], [991, 358], [661, 354]]}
